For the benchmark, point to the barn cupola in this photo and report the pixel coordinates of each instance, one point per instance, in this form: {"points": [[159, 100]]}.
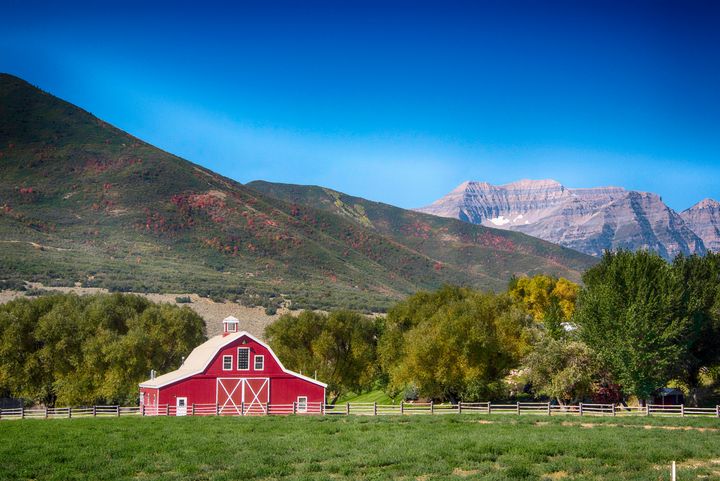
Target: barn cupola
{"points": [[230, 325]]}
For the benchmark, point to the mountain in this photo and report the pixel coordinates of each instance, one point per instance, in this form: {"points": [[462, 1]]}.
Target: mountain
{"points": [[704, 219], [588, 220], [84, 202]]}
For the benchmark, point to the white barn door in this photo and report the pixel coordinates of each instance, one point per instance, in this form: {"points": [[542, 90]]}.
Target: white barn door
{"points": [[243, 396]]}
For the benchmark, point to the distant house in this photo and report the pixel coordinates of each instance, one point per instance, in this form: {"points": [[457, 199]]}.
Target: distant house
{"points": [[669, 395], [236, 372]]}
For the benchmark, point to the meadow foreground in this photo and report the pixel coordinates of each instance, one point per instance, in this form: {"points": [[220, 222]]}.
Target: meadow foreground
{"points": [[499, 447]]}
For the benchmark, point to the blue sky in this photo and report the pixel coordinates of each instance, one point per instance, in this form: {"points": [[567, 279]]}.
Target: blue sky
{"points": [[396, 101]]}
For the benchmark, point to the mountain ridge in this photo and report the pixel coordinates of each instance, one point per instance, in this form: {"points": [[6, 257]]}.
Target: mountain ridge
{"points": [[590, 220]]}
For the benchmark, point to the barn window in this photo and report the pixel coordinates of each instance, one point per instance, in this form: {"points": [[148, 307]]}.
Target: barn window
{"points": [[259, 363], [243, 359], [227, 363], [302, 404]]}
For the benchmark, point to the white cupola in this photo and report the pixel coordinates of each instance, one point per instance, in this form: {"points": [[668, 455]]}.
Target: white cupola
{"points": [[230, 325]]}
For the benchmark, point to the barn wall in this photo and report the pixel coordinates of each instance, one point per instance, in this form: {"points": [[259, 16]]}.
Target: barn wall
{"points": [[286, 390]]}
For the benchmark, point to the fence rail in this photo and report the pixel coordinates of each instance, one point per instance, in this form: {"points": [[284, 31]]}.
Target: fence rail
{"points": [[359, 409]]}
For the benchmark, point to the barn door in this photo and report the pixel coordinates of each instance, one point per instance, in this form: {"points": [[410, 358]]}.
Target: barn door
{"points": [[229, 396], [256, 395]]}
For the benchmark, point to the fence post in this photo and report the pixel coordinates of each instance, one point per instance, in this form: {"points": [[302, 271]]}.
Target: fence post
{"points": [[22, 412], [717, 410], [167, 410], [613, 409], [322, 408], [549, 409], [46, 412], [347, 409], [69, 412], [459, 407], [217, 409], [647, 409], [242, 408], [580, 408], [0, 413], [192, 409], [518, 408], [142, 410], [294, 407], [95, 410], [682, 410], [489, 408], [375, 408], [117, 410], [432, 407], [402, 407]]}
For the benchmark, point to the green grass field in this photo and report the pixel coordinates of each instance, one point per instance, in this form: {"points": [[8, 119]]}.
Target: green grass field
{"points": [[501, 447]]}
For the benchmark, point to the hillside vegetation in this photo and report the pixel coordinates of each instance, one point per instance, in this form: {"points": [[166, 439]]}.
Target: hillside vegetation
{"points": [[82, 201]]}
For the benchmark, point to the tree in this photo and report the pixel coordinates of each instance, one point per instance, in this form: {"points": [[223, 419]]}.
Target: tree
{"points": [[699, 278], [70, 349], [339, 347], [627, 313], [548, 300], [563, 369], [453, 344]]}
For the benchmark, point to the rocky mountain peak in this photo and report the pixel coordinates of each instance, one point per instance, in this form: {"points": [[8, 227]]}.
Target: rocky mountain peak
{"points": [[704, 219], [590, 220]]}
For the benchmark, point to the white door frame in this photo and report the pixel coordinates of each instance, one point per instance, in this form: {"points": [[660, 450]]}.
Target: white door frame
{"points": [[181, 410]]}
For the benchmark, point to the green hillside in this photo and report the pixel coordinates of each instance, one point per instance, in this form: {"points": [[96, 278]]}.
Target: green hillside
{"points": [[82, 201], [478, 255]]}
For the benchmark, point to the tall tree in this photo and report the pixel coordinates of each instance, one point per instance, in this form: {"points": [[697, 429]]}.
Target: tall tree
{"points": [[699, 278], [340, 347], [454, 344], [628, 314]]}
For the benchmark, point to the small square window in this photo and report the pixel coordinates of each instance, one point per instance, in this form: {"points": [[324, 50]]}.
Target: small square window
{"points": [[227, 363], [302, 404], [259, 363]]}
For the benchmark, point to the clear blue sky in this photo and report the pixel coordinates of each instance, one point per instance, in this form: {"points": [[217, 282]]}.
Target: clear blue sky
{"points": [[397, 102]]}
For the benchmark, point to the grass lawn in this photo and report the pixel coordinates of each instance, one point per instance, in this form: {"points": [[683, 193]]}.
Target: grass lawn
{"points": [[377, 396], [498, 447]]}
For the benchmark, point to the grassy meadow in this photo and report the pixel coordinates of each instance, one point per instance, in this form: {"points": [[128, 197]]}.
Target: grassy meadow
{"points": [[501, 447]]}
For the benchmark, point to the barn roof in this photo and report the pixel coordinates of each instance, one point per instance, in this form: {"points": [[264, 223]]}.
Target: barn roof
{"points": [[201, 357]]}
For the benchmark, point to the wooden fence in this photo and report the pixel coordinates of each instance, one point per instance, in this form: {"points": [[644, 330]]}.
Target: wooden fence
{"points": [[361, 409]]}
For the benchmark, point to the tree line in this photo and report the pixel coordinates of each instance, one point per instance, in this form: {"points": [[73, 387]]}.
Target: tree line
{"points": [[637, 324], [75, 350]]}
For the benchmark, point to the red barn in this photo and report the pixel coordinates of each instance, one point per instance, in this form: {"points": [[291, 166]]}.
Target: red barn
{"points": [[237, 374]]}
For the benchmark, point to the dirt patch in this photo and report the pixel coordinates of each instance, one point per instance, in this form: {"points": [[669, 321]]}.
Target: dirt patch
{"points": [[556, 475], [699, 463], [464, 473], [485, 421], [638, 426]]}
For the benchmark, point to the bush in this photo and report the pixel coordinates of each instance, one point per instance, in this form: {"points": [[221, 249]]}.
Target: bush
{"points": [[183, 300]]}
